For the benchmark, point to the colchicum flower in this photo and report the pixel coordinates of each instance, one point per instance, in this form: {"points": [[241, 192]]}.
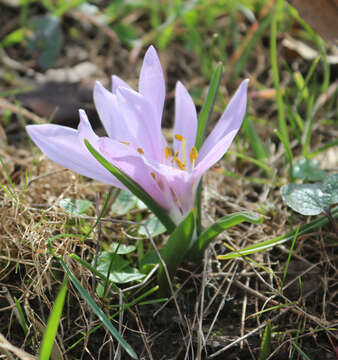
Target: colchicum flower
{"points": [[135, 144]]}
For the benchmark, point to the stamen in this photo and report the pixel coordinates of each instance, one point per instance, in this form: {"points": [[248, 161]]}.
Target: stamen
{"points": [[125, 142], [140, 151], [179, 163], [167, 152], [153, 175], [193, 155], [184, 145]]}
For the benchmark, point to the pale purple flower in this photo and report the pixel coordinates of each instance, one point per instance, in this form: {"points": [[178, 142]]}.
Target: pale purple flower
{"points": [[135, 143]]}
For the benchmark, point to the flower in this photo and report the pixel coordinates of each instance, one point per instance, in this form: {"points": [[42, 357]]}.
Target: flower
{"points": [[135, 144]]}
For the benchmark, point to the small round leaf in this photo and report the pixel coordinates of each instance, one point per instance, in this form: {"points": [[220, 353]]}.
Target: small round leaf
{"points": [[312, 199]]}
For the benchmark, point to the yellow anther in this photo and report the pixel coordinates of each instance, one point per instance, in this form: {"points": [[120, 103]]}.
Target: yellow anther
{"points": [[153, 175], [140, 151], [193, 155], [125, 142], [181, 138], [179, 163], [167, 152]]}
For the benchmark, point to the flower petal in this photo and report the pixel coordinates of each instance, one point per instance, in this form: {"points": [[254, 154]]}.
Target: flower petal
{"points": [[178, 186], [118, 82], [128, 160], [151, 83], [66, 147], [140, 120], [185, 119], [230, 120], [214, 154], [108, 110]]}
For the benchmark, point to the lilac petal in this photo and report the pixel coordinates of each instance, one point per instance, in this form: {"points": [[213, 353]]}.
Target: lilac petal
{"points": [[66, 147], [141, 123], [128, 160], [185, 118], [230, 120], [118, 82], [108, 110], [177, 185], [151, 83], [214, 154], [182, 186]]}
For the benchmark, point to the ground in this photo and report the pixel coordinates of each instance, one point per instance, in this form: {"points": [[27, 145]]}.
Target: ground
{"points": [[219, 308]]}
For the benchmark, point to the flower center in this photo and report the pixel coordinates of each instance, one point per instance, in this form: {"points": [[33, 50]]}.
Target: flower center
{"points": [[181, 162], [179, 158]]}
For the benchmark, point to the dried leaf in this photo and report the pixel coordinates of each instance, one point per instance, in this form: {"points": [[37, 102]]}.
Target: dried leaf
{"points": [[321, 15]]}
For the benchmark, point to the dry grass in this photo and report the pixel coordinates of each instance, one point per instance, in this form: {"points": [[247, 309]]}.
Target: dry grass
{"points": [[218, 309], [216, 304]]}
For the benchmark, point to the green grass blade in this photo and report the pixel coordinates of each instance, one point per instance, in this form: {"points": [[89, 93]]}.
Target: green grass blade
{"points": [[53, 324], [12, 185], [66, 6], [226, 222], [300, 351], [94, 271], [23, 321], [274, 65], [265, 348], [135, 188], [102, 211], [203, 120], [288, 152], [256, 144], [322, 148], [249, 46], [208, 105], [174, 251], [99, 313], [320, 221], [124, 307], [257, 162], [289, 256]]}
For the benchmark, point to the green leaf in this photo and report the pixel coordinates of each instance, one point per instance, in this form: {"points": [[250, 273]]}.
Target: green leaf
{"points": [[226, 222], [265, 348], [22, 318], [330, 185], [149, 260], [256, 144], [15, 37], [101, 315], [75, 207], [174, 250], [53, 324], [308, 169], [126, 33], [47, 39], [208, 105], [311, 199], [135, 188], [121, 249], [120, 272], [66, 6], [268, 244], [154, 226], [124, 202]]}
